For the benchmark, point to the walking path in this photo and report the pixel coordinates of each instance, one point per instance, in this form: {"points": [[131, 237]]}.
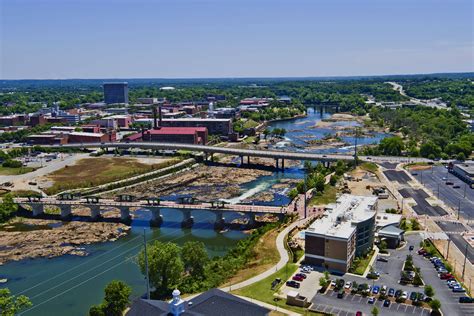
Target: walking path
{"points": [[284, 257]]}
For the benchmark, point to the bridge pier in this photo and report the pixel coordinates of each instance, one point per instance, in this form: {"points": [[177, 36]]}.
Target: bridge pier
{"points": [[283, 164], [37, 209], [248, 160], [220, 220], [188, 220], [276, 164], [95, 212], [156, 217], [251, 222], [66, 211], [125, 214], [241, 161]]}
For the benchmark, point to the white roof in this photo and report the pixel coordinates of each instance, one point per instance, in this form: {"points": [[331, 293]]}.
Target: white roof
{"points": [[87, 134], [339, 220]]}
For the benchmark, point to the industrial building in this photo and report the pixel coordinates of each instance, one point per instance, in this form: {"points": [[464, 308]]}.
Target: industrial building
{"points": [[116, 92], [464, 171], [182, 135], [346, 230], [214, 126]]}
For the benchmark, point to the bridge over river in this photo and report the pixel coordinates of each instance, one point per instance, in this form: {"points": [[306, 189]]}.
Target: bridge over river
{"points": [[95, 205], [278, 155]]}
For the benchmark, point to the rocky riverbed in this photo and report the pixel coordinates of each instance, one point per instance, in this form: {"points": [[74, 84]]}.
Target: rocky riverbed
{"points": [[24, 238]]}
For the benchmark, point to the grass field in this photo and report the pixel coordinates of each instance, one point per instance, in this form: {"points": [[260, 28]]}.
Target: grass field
{"points": [[369, 166], [96, 171], [266, 256], [362, 263], [328, 196], [4, 171]]}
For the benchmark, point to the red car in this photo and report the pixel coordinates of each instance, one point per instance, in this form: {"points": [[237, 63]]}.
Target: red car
{"points": [[445, 276], [421, 251], [297, 278], [359, 313]]}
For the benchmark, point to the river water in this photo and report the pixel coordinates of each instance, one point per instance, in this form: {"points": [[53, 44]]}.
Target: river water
{"points": [[69, 285]]}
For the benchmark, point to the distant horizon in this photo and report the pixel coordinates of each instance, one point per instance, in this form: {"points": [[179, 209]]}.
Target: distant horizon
{"points": [[256, 78]]}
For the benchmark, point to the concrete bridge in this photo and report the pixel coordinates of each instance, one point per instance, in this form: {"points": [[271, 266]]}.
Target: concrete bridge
{"points": [[279, 156], [95, 205]]}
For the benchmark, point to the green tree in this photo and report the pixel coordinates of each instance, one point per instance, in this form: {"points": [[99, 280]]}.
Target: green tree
{"points": [[195, 257], [375, 311], [96, 310], [429, 291], [392, 146], [116, 299], [11, 305], [430, 149], [435, 304], [165, 265], [7, 208], [415, 225]]}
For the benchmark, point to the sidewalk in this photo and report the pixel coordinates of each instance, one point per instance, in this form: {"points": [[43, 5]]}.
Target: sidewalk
{"points": [[280, 243]]}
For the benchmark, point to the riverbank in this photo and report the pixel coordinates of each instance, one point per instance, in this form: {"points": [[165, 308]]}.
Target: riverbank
{"points": [[24, 238]]}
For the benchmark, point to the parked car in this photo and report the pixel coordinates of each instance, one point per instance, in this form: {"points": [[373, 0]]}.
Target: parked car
{"points": [[333, 283], [413, 296], [421, 297], [382, 259], [348, 285], [376, 289], [453, 285], [445, 276], [398, 293], [411, 248], [466, 299], [371, 300], [304, 276], [297, 278], [404, 295], [459, 289], [421, 251], [294, 284], [456, 186], [386, 303], [449, 183], [359, 313], [340, 294], [391, 292]]}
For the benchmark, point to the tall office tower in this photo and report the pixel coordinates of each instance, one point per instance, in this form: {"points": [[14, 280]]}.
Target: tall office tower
{"points": [[115, 92]]}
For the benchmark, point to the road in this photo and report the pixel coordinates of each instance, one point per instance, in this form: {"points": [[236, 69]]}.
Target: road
{"points": [[241, 152], [462, 197], [398, 87], [20, 182]]}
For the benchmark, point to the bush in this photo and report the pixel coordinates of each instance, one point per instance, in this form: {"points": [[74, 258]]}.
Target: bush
{"points": [[12, 164]]}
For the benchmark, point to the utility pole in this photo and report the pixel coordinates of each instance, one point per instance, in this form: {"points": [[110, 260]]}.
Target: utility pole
{"points": [[465, 258], [146, 267], [459, 208]]}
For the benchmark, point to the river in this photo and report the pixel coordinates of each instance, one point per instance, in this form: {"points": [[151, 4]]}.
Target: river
{"points": [[69, 285]]}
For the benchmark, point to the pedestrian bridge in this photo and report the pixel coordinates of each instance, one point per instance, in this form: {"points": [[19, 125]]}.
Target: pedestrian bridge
{"points": [[95, 205]]}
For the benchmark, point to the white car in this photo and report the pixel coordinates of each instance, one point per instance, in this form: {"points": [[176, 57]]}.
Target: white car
{"points": [[348, 285], [404, 295], [333, 283]]}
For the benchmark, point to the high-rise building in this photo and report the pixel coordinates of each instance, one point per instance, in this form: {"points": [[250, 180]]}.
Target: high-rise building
{"points": [[115, 92]]}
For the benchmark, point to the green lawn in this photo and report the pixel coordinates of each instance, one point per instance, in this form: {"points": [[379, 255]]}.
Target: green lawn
{"points": [[362, 263], [369, 166], [262, 290], [5, 171], [328, 196]]}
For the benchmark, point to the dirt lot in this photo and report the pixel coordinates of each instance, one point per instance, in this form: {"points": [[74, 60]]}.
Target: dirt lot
{"points": [[96, 171]]}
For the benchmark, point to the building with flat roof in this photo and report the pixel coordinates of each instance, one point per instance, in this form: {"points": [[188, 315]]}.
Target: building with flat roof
{"points": [[182, 135], [214, 126], [115, 92], [346, 230], [464, 171]]}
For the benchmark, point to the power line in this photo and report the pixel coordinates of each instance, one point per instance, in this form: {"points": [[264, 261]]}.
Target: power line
{"points": [[96, 275]]}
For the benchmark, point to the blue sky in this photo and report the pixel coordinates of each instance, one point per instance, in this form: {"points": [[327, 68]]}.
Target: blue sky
{"points": [[230, 38]]}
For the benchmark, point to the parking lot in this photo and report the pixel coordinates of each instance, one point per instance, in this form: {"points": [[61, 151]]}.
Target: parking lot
{"points": [[390, 276], [422, 207], [395, 175], [350, 304], [454, 197]]}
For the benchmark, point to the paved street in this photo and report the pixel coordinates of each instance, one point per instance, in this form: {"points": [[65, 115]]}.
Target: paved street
{"points": [[422, 207], [433, 179]]}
